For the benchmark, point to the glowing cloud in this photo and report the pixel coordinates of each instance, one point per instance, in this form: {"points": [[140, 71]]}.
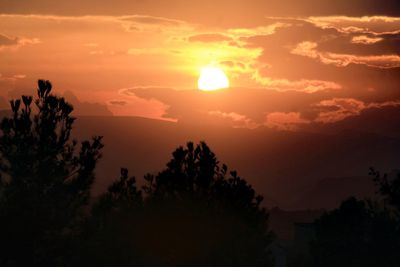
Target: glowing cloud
{"points": [[309, 49]]}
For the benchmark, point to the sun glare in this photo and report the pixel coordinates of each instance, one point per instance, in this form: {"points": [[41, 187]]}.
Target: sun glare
{"points": [[212, 78]]}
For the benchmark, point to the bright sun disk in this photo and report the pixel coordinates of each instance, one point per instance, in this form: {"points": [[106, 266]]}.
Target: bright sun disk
{"points": [[212, 78]]}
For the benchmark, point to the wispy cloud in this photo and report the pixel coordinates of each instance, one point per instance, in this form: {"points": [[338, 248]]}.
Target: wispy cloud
{"points": [[309, 49], [376, 25], [7, 42], [289, 121], [12, 78], [237, 120], [304, 85], [342, 108], [364, 39], [117, 102]]}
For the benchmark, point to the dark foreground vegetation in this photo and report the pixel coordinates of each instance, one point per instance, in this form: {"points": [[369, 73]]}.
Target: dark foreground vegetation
{"points": [[195, 212], [361, 232]]}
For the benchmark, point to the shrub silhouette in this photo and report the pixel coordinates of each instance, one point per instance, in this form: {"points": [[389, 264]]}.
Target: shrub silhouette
{"points": [[45, 180], [191, 214]]}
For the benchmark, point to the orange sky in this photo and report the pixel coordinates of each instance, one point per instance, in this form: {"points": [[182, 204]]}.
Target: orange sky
{"points": [[290, 63]]}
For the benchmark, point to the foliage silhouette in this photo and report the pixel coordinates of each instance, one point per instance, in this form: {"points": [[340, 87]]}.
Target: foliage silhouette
{"points": [[388, 188], [361, 232], [358, 233], [45, 180], [191, 214]]}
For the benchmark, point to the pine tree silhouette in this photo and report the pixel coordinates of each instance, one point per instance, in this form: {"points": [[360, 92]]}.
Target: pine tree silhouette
{"points": [[45, 179]]}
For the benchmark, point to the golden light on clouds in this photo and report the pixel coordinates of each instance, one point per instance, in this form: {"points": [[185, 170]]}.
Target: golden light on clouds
{"points": [[212, 78], [288, 63]]}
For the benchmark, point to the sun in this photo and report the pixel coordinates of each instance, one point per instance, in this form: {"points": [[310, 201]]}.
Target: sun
{"points": [[212, 78]]}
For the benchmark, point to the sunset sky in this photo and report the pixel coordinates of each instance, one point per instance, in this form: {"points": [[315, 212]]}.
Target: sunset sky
{"points": [[290, 64]]}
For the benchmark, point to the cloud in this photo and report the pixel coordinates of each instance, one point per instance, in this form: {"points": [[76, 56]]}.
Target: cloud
{"points": [[328, 112], [209, 12], [309, 49], [384, 104], [238, 107], [209, 37], [12, 77], [282, 66], [323, 50], [152, 20], [9, 82], [304, 85], [364, 39], [289, 121], [83, 108], [153, 23], [253, 108], [16, 42], [192, 105], [265, 30], [7, 41], [278, 69], [375, 25], [117, 102], [145, 105], [133, 91], [342, 108], [236, 120], [130, 23]]}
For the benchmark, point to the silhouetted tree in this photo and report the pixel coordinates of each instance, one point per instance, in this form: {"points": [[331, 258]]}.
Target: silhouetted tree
{"points": [[195, 173], [45, 180], [219, 212], [109, 236], [191, 214], [388, 188], [358, 233]]}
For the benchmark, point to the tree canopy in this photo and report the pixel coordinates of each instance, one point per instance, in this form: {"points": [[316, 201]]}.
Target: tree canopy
{"points": [[193, 213], [358, 233], [389, 188], [45, 179]]}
